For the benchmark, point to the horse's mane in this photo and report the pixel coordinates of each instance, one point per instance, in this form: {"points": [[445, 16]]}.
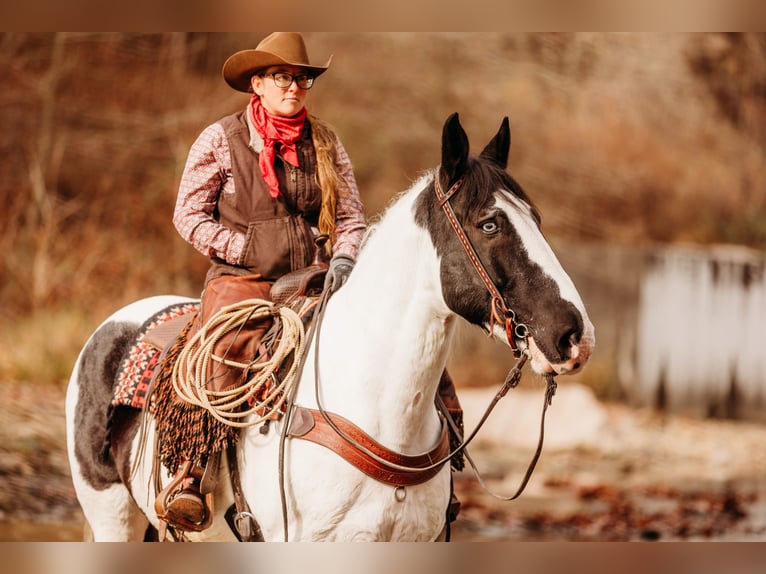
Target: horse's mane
{"points": [[417, 186]]}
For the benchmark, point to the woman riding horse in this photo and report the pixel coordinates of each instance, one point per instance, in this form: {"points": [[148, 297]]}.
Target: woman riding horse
{"points": [[354, 456]]}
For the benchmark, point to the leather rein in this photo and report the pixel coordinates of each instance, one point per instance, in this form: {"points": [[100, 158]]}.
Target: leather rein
{"points": [[513, 331], [377, 461]]}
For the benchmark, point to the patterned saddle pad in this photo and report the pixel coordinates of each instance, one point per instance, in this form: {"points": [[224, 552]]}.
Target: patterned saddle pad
{"points": [[139, 363]]}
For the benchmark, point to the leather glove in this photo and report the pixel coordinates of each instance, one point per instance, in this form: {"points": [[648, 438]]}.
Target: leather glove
{"points": [[338, 272]]}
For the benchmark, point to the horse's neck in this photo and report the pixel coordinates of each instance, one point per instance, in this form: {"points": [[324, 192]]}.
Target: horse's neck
{"points": [[386, 334]]}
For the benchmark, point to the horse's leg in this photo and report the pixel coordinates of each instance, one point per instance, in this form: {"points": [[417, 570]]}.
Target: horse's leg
{"points": [[105, 500], [111, 514]]}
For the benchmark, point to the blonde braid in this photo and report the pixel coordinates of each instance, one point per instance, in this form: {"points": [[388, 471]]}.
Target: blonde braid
{"points": [[323, 138]]}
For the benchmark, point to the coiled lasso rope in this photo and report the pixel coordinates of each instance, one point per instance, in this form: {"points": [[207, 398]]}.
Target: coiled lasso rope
{"points": [[190, 370]]}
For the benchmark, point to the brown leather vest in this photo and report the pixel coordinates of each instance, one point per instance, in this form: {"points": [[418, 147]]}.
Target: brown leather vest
{"points": [[278, 236]]}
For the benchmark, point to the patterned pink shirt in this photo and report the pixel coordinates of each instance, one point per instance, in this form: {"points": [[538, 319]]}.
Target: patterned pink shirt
{"points": [[207, 174]]}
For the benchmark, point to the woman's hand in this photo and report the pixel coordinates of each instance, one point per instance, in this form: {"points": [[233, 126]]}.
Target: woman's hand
{"points": [[338, 272]]}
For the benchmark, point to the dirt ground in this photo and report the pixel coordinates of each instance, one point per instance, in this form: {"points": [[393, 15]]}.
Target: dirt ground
{"points": [[613, 473], [37, 501], [608, 472]]}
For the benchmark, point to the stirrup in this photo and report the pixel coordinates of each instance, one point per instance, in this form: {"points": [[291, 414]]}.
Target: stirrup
{"points": [[163, 502]]}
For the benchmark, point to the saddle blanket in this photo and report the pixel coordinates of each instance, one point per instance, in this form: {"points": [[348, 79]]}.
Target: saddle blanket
{"points": [[141, 360]]}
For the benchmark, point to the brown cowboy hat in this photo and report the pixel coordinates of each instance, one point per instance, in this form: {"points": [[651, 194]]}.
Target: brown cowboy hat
{"points": [[276, 49]]}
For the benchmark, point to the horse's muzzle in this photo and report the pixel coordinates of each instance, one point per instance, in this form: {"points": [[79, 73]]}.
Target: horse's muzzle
{"points": [[577, 353]]}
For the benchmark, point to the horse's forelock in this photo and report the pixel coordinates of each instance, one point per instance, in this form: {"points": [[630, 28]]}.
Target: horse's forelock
{"points": [[484, 179]]}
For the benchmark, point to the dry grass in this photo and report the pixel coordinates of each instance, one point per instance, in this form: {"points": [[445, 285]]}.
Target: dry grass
{"points": [[41, 348]]}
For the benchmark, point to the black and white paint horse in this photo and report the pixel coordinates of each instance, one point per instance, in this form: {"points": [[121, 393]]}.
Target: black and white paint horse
{"points": [[384, 343]]}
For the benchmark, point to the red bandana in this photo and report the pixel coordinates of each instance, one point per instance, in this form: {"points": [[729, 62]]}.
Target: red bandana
{"points": [[275, 131]]}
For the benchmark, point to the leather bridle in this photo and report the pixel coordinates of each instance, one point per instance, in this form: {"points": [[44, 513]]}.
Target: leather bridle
{"points": [[500, 310], [513, 330]]}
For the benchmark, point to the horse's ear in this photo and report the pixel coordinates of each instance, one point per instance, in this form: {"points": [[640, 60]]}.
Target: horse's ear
{"points": [[454, 149], [497, 149]]}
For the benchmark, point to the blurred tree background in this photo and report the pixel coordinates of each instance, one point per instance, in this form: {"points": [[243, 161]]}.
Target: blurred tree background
{"points": [[627, 138]]}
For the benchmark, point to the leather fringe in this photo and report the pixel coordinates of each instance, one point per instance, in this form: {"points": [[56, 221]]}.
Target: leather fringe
{"points": [[185, 432]]}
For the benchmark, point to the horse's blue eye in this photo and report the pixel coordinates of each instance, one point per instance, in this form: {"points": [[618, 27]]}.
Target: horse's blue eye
{"points": [[489, 227]]}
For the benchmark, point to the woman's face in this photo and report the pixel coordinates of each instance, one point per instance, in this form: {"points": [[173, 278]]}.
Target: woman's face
{"points": [[284, 102]]}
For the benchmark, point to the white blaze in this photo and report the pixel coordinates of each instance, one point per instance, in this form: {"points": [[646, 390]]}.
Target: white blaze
{"points": [[519, 213]]}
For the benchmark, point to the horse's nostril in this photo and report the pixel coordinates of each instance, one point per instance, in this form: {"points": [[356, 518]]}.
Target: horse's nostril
{"points": [[574, 337], [576, 366], [568, 340]]}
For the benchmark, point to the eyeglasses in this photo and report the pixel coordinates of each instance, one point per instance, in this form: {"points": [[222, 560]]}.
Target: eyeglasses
{"points": [[285, 80]]}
